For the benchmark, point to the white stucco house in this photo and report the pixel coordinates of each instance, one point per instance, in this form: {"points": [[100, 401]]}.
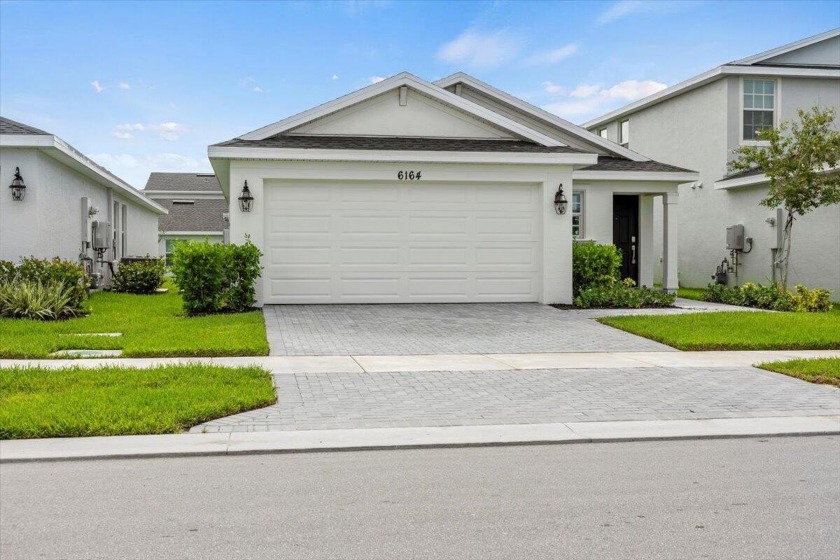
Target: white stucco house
{"points": [[197, 209], [700, 122], [66, 198], [411, 191]]}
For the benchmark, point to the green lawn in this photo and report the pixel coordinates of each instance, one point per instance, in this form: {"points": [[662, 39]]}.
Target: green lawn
{"points": [[818, 370], [152, 325], [739, 330], [112, 400], [691, 293]]}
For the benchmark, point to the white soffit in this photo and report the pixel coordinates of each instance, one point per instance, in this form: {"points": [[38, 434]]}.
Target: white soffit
{"points": [[395, 82], [541, 114]]}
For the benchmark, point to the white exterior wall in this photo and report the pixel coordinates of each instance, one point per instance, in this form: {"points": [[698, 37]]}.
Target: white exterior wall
{"points": [[699, 130], [557, 239], [48, 222]]}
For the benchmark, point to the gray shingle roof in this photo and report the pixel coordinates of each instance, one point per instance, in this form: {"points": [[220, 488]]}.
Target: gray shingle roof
{"points": [[201, 215], [8, 126], [622, 164], [397, 143], [182, 182]]}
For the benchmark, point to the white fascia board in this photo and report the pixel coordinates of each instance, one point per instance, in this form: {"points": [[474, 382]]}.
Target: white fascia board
{"points": [[541, 114], [401, 79], [284, 154], [747, 181], [788, 48], [710, 76], [667, 93], [666, 176], [73, 158]]}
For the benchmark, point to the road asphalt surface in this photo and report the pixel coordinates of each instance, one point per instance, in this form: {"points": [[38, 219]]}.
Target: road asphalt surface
{"points": [[730, 499]]}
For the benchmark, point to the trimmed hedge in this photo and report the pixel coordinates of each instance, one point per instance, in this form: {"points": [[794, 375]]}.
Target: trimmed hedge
{"points": [[771, 296], [594, 265], [215, 277], [139, 276]]}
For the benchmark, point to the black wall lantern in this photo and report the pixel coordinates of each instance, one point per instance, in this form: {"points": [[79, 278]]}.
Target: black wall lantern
{"points": [[560, 201], [246, 199], [18, 187]]}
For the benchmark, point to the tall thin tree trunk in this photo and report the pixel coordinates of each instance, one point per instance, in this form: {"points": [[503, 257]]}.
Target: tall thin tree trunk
{"points": [[786, 249]]}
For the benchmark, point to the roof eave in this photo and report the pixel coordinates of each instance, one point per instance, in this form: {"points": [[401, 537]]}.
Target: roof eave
{"points": [[677, 177], [542, 114], [67, 154], [219, 154]]}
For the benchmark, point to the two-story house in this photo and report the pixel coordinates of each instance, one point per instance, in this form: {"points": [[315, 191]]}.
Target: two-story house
{"points": [[700, 122]]}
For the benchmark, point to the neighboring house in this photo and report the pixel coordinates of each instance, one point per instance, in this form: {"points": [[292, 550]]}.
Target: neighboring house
{"points": [[700, 122], [410, 191], [197, 208], [66, 195]]}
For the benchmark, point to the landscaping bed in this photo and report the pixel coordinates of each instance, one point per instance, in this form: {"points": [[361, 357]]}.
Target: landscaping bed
{"points": [[817, 370], [150, 326], [113, 400], [739, 330]]}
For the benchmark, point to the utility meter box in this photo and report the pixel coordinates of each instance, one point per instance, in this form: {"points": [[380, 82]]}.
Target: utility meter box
{"points": [[102, 235], [735, 237]]}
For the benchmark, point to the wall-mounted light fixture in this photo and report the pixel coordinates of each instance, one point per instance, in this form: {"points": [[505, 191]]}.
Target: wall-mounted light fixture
{"points": [[18, 187], [246, 199], [560, 201]]}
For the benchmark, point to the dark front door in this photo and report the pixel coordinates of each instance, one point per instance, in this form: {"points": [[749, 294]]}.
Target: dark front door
{"points": [[626, 233]]}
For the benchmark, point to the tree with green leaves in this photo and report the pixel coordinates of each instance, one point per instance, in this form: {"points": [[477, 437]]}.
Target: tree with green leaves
{"points": [[802, 163]]}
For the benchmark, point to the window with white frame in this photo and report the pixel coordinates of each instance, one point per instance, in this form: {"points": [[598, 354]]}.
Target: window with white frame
{"points": [[759, 107], [170, 248], [115, 232], [577, 215], [124, 230], [624, 133], [602, 132]]}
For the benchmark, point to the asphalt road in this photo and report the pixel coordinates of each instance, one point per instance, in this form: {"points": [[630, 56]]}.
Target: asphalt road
{"points": [[732, 499]]}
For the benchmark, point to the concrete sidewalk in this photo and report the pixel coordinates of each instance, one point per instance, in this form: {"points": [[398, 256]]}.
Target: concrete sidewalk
{"points": [[183, 445], [457, 362]]}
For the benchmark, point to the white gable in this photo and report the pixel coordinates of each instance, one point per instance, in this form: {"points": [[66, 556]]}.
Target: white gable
{"points": [[402, 114], [824, 53]]}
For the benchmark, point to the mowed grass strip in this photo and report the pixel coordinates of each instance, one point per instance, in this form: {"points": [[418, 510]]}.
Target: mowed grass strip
{"points": [[816, 370], [739, 330], [113, 400], [151, 326]]}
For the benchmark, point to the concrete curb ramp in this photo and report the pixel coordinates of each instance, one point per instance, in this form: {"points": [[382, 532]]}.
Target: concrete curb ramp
{"points": [[245, 443]]}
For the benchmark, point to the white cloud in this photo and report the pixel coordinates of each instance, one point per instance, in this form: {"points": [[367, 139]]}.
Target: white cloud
{"points": [[124, 85], [169, 131], [584, 91], [590, 100], [552, 56], [481, 50], [626, 8], [251, 83], [375, 79], [553, 88], [335, 77], [98, 88]]}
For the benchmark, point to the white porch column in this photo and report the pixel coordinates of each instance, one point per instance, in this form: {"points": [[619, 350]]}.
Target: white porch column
{"points": [[646, 258], [670, 282]]}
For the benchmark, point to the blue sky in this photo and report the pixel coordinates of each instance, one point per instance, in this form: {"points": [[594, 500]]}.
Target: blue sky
{"points": [[146, 86]]}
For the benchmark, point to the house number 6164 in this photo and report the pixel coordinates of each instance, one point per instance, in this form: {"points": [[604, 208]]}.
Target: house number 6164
{"points": [[408, 175]]}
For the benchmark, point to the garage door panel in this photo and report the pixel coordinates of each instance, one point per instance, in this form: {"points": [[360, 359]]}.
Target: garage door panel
{"points": [[354, 243]]}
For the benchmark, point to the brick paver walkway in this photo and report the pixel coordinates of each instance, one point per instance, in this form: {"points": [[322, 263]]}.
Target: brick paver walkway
{"points": [[384, 400], [479, 328]]}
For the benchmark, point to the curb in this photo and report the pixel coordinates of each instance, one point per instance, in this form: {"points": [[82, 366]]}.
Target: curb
{"points": [[314, 441]]}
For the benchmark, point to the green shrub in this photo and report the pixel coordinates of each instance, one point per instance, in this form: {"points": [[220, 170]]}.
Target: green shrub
{"points": [[771, 297], [594, 266], [623, 294], [32, 299], [139, 277], [214, 277], [47, 272]]}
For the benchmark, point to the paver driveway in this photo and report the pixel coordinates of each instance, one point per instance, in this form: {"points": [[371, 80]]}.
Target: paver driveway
{"points": [[477, 328]]}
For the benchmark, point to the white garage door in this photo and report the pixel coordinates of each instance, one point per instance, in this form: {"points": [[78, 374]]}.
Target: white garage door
{"points": [[403, 242]]}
